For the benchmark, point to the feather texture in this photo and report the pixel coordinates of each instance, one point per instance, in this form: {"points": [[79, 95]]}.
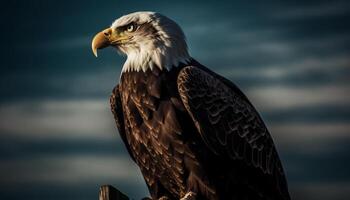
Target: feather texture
{"points": [[231, 127], [189, 129]]}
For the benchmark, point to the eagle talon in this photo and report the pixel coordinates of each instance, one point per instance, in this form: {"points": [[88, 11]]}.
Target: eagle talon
{"points": [[189, 196]]}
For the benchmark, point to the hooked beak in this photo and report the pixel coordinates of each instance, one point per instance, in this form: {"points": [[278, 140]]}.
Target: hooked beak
{"points": [[101, 40]]}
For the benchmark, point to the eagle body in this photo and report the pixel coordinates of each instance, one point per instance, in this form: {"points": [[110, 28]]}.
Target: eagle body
{"points": [[174, 158], [193, 133]]}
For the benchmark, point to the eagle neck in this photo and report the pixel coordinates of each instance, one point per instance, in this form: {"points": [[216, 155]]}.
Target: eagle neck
{"points": [[161, 58]]}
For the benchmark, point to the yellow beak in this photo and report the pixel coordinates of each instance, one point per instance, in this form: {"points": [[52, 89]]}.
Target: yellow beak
{"points": [[101, 40]]}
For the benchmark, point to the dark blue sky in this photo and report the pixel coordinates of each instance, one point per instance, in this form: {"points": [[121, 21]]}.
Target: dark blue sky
{"points": [[58, 139]]}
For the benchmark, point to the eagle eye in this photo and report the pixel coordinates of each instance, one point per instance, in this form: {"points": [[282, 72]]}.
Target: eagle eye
{"points": [[130, 28]]}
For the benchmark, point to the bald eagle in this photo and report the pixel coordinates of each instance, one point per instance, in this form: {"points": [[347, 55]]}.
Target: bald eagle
{"points": [[193, 133]]}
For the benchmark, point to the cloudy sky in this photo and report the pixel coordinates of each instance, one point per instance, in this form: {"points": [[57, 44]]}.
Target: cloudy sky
{"points": [[57, 135]]}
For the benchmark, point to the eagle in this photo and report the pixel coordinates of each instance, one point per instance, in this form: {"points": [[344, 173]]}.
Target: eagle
{"points": [[193, 133]]}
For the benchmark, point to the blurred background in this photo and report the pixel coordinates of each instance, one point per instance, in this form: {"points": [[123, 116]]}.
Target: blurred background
{"points": [[58, 139]]}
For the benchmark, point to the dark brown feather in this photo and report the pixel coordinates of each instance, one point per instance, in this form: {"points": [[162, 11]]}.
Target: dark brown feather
{"points": [[156, 136], [189, 129], [117, 110], [232, 129]]}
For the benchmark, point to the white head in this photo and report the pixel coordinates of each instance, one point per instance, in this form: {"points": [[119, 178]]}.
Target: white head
{"points": [[148, 39]]}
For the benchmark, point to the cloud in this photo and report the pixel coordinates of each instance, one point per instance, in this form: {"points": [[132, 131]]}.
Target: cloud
{"points": [[310, 138], [12, 147], [295, 68], [98, 83], [277, 98], [69, 170], [81, 172], [270, 51], [321, 191], [82, 118]]}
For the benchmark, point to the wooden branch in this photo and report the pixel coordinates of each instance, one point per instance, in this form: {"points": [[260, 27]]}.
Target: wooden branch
{"points": [[108, 192]]}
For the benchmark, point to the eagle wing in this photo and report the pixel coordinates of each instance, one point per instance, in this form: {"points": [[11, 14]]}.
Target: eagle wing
{"points": [[117, 110], [229, 125]]}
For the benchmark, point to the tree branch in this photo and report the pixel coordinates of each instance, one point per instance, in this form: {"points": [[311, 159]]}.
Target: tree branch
{"points": [[108, 192]]}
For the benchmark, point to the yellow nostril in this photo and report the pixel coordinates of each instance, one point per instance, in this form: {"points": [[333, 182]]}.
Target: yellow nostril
{"points": [[107, 32]]}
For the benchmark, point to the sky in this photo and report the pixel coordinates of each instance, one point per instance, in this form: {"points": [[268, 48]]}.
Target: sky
{"points": [[57, 135]]}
